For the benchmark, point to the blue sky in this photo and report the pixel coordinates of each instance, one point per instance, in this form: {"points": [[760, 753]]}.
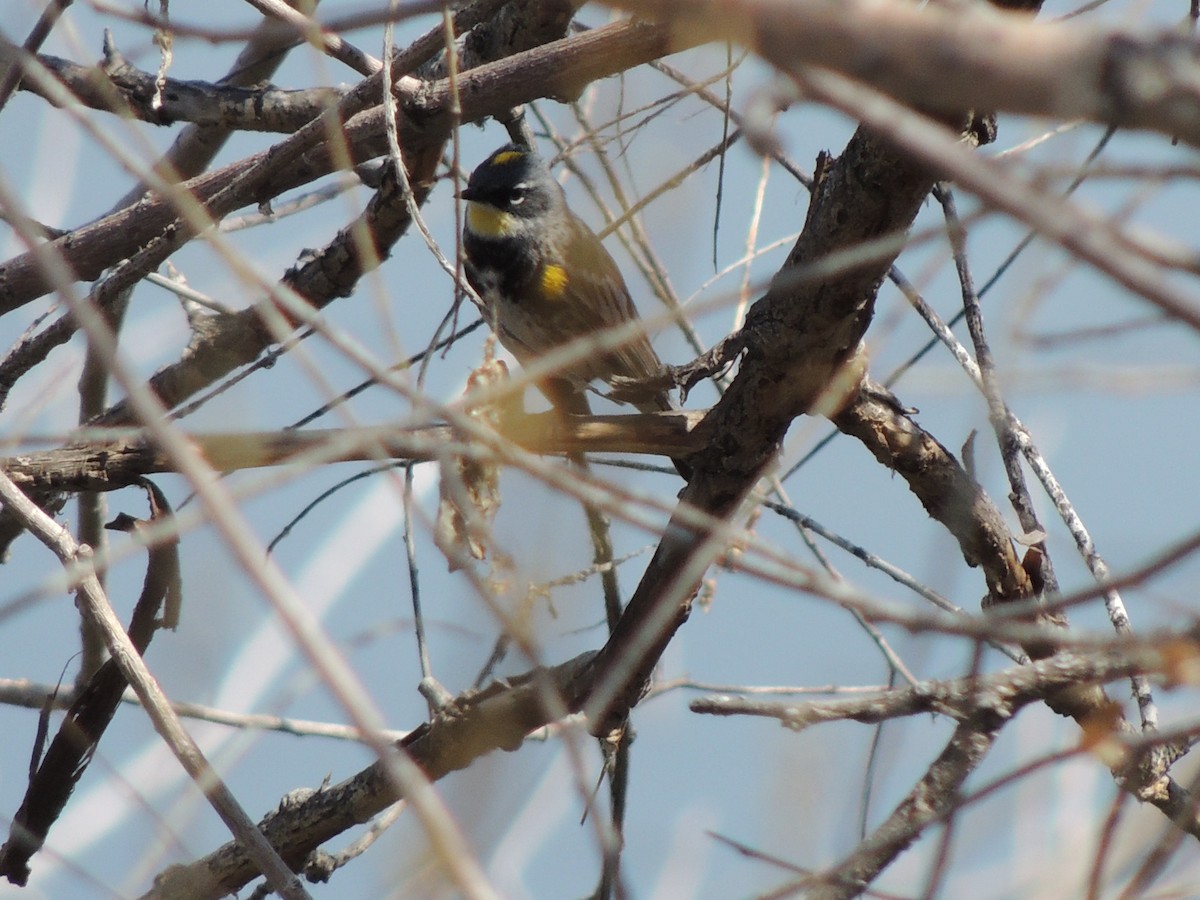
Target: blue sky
{"points": [[1114, 415]]}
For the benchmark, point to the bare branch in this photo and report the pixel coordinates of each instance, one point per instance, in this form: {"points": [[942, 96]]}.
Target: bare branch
{"points": [[1001, 61], [198, 102], [116, 462]]}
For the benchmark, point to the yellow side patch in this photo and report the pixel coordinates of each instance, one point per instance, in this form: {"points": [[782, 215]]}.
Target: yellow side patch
{"points": [[508, 156], [487, 221], [554, 281]]}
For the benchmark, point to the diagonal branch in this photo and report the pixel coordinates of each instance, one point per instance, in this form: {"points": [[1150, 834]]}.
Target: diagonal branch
{"points": [[562, 68], [166, 722], [95, 704], [931, 798], [801, 344], [497, 718]]}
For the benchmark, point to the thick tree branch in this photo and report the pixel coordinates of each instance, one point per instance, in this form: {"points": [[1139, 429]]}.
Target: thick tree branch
{"points": [[944, 488], [801, 342], [952, 57], [114, 85]]}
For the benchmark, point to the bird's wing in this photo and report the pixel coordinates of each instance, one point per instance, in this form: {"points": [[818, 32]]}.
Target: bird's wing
{"points": [[595, 297]]}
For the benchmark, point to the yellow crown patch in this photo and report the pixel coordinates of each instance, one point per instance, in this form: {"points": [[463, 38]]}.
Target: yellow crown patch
{"points": [[506, 157]]}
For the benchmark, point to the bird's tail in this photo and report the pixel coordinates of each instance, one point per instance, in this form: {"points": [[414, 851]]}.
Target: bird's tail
{"points": [[660, 402]]}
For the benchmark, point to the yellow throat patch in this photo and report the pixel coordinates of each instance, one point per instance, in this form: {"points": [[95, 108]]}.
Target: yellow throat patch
{"points": [[487, 221]]}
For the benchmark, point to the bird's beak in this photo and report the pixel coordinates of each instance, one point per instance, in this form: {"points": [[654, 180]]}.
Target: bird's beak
{"points": [[467, 194]]}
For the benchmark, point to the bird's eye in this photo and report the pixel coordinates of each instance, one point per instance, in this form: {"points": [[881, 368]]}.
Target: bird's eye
{"points": [[517, 196]]}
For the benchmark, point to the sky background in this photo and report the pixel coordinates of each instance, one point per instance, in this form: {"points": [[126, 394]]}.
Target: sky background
{"points": [[1116, 417]]}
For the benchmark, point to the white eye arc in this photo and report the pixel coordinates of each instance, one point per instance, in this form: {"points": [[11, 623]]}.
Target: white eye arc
{"points": [[517, 197]]}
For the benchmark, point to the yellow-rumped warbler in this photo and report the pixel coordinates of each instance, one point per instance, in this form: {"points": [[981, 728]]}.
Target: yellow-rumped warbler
{"points": [[546, 279]]}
